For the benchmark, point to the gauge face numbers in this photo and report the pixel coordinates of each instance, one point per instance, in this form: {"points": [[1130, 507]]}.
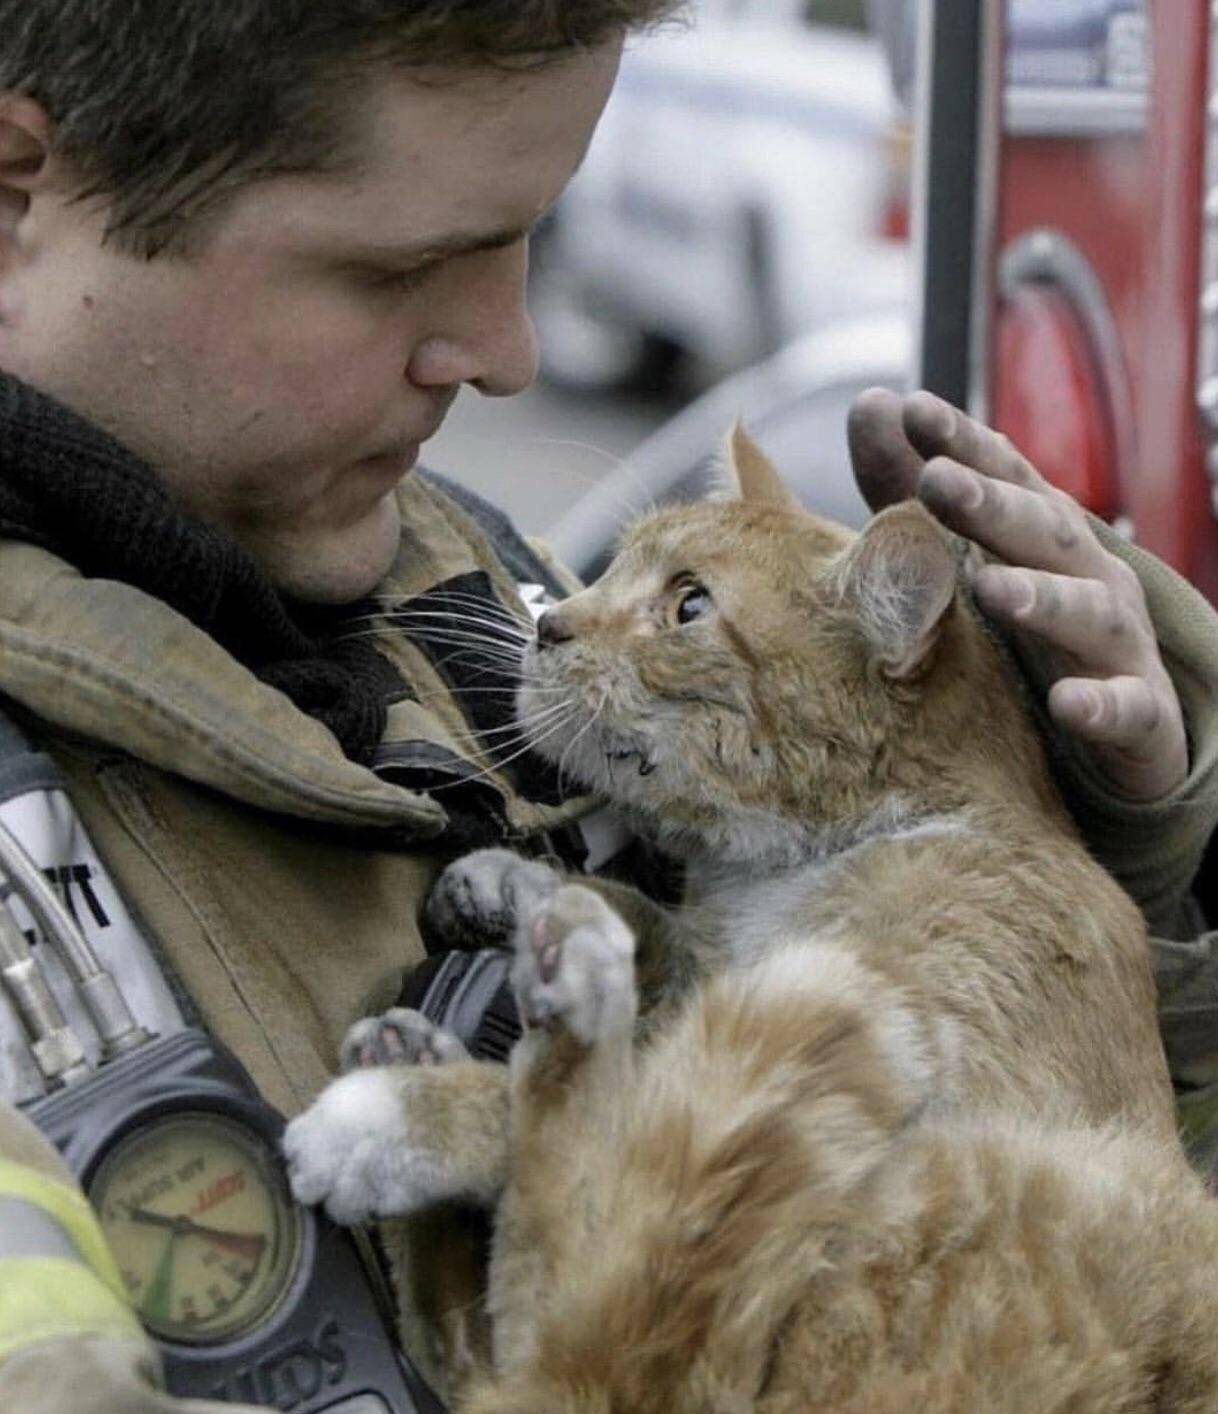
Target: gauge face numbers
{"points": [[200, 1221]]}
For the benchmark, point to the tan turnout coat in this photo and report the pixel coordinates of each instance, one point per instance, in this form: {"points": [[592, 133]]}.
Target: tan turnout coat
{"points": [[282, 882]]}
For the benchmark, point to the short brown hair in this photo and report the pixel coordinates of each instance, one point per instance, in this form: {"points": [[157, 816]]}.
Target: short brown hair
{"points": [[163, 113]]}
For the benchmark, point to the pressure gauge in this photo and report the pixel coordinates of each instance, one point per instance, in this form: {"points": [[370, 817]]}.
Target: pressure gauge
{"points": [[252, 1298], [197, 1214]]}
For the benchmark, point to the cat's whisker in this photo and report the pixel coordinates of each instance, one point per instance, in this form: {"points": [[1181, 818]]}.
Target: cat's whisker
{"points": [[482, 603], [473, 613], [614, 463], [507, 649], [588, 725], [507, 760], [493, 607], [430, 620], [474, 632], [488, 653], [506, 690], [513, 732], [463, 655]]}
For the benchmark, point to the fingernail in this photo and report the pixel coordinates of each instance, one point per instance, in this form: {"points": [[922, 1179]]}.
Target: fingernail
{"points": [[1091, 705], [947, 420], [1006, 592], [971, 495], [950, 486], [1020, 595]]}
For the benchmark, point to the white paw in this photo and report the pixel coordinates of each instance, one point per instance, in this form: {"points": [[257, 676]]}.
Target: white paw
{"points": [[476, 901], [400, 1036], [575, 965], [352, 1149]]}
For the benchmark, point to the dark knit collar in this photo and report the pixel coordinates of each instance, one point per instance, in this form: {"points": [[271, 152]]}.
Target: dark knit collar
{"points": [[70, 488]]}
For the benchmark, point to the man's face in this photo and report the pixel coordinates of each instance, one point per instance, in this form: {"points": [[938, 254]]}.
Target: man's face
{"points": [[282, 379]]}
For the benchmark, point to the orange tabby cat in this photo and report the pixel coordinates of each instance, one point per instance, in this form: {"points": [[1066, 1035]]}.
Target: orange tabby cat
{"points": [[897, 1132]]}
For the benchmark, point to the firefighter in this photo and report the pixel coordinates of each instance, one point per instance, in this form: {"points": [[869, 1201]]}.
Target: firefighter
{"points": [[249, 253], [246, 262]]}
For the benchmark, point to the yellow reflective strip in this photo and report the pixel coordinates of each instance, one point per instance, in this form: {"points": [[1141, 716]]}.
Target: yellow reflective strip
{"points": [[70, 1208], [42, 1298]]}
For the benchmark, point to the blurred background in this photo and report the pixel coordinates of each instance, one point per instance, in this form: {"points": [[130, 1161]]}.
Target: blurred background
{"points": [[747, 187], [1012, 202]]}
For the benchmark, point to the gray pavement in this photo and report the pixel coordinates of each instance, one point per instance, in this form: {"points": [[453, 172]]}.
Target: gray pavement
{"points": [[536, 454]]}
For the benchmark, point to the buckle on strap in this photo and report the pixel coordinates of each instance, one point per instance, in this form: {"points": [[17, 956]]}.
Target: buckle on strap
{"points": [[470, 994]]}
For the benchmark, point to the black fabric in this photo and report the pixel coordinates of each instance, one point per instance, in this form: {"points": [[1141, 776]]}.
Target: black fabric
{"points": [[70, 488], [1205, 886]]}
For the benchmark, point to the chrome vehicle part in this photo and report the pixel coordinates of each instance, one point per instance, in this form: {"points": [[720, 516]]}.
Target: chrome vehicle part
{"points": [[1207, 323], [959, 102]]}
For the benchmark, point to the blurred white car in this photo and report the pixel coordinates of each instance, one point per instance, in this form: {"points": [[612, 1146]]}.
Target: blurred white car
{"points": [[794, 404], [739, 191]]}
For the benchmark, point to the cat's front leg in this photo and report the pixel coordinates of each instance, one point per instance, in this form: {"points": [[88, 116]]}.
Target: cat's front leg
{"points": [[574, 975], [414, 1122], [575, 987], [478, 899]]}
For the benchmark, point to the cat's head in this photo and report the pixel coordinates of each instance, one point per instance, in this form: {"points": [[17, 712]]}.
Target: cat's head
{"points": [[746, 672]]}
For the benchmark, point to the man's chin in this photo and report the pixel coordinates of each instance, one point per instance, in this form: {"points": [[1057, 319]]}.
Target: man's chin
{"points": [[335, 567]]}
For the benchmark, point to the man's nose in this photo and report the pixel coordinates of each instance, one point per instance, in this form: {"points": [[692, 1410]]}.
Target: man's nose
{"points": [[484, 335]]}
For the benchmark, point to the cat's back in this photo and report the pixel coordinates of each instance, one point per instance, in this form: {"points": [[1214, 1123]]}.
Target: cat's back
{"points": [[1028, 1271], [999, 922]]}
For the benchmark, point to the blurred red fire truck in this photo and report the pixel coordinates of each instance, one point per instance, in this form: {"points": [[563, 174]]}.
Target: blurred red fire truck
{"points": [[1069, 248]]}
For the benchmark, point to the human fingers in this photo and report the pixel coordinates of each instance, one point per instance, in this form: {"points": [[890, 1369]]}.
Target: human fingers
{"points": [[936, 429], [1042, 528], [1089, 621], [1117, 697], [886, 466], [1134, 731]]}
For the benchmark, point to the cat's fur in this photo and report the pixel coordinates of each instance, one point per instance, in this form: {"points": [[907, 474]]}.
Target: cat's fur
{"points": [[898, 1134]]}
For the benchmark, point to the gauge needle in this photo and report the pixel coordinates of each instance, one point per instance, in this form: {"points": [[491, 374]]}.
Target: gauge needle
{"points": [[160, 1288], [245, 1244]]}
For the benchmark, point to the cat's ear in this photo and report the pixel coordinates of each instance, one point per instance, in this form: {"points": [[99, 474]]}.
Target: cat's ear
{"points": [[901, 574], [754, 474]]}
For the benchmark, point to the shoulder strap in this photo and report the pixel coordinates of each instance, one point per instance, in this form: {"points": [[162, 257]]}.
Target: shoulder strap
{"points": [[518, 556], [23, 767]]}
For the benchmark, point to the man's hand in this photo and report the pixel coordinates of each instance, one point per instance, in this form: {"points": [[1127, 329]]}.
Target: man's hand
{"points": [[1057, 583]]}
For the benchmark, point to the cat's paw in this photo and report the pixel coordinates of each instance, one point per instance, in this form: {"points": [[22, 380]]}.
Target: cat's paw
{"points": [[361, 1150], [399, 1036], [477, 900], [574, 966]]}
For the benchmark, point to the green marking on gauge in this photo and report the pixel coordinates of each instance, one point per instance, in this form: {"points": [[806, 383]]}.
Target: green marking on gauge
{"points": [[160, 1288]]}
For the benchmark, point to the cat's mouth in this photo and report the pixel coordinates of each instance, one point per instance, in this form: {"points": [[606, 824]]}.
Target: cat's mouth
{"points": [[645, 763]]}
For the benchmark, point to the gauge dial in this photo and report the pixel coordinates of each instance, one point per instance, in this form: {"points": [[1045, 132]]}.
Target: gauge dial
{"points": [[200, 1220]]}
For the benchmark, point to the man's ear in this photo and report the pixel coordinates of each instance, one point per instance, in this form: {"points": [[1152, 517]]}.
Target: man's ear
{"points": [[901, 575], [25, 153], [753, 474]]}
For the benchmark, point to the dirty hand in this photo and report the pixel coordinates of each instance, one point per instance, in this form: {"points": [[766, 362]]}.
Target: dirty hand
{"points": [[1057, 583]]}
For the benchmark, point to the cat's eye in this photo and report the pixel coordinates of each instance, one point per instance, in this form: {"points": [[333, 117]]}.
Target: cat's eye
{"points": [[694, 602]]}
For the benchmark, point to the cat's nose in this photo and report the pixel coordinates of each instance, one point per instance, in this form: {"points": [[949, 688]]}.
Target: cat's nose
{"points": [[552, 628]]}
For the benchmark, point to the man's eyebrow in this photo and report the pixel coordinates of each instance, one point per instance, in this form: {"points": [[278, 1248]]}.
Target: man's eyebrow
{"points": [[456, 243]]}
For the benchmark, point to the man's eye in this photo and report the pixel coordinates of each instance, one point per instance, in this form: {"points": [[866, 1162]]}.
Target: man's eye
{"points": [[395, 280], [695, 602]]}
